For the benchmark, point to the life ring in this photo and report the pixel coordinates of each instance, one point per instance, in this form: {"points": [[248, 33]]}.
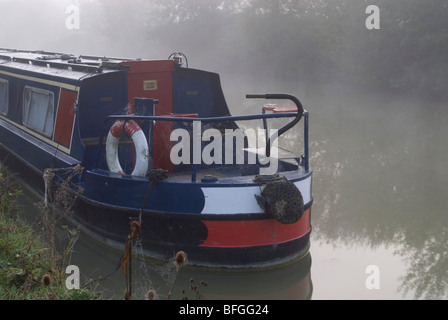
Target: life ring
{"points": [[141, 147]]}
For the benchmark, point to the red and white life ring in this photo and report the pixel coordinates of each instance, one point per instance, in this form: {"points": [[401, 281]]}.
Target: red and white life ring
{"points": [[141, 147]]}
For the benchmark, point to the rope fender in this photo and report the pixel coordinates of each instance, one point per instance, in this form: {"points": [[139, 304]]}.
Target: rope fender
{"points": [[282, 200]]}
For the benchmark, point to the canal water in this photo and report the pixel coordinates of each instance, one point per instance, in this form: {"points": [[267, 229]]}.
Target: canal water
{"points": [[379, 216]]}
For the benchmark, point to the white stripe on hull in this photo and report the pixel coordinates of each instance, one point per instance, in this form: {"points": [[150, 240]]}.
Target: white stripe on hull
{"points": [[241, 200]]}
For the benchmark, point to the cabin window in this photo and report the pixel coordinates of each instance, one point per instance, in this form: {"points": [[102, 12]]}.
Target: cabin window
{"points": [[4, 97], [38, 110]]}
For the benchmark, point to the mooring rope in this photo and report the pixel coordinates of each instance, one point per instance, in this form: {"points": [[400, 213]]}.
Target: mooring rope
{"points": [[50, 174], [126, 262], [155, 176]]}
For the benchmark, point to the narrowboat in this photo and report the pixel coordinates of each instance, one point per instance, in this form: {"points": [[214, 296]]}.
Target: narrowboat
{"points": [[158, 156]]}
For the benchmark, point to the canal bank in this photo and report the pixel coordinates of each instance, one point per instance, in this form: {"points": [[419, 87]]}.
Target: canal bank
{"points": [[29, 269]]}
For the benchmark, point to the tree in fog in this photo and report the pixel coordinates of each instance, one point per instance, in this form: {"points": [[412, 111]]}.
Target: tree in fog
{"points": [[309, 41]]}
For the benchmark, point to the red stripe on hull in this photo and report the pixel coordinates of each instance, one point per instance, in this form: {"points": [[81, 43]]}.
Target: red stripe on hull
{"points": [[248, 233]]}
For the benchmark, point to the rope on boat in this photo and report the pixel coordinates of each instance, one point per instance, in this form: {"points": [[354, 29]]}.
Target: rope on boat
{"points": [[48, 178], [50, 173], [126, 262], [155, 176]]}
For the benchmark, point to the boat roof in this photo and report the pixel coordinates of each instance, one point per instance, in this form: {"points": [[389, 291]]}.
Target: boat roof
{"points": [[60, 64]]}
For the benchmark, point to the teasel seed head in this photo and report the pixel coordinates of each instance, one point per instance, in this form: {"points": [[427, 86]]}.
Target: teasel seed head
{"points": [[46, 280], [181, 258]]}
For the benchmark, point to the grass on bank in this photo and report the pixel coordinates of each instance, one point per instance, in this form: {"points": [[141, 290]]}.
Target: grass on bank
{"points": [[27, 269]]}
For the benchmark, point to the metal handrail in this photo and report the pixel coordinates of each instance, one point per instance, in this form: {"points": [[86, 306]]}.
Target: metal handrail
{"points": [[297, 116], [210, 119], [281, 96]]}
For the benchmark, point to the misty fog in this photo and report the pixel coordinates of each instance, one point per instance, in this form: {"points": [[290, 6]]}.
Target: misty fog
{"points": [[302, 42]]}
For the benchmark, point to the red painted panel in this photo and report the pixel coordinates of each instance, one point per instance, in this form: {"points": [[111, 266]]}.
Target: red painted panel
{"points": [[249, 233], [160, 73], [65, 118]]}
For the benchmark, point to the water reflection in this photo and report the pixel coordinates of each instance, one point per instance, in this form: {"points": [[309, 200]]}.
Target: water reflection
{"points": [[380, 181], [289, 283], [100, 267]]}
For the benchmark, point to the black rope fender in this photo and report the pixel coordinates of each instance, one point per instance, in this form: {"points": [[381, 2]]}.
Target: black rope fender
{"points": [[281, 199]]}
